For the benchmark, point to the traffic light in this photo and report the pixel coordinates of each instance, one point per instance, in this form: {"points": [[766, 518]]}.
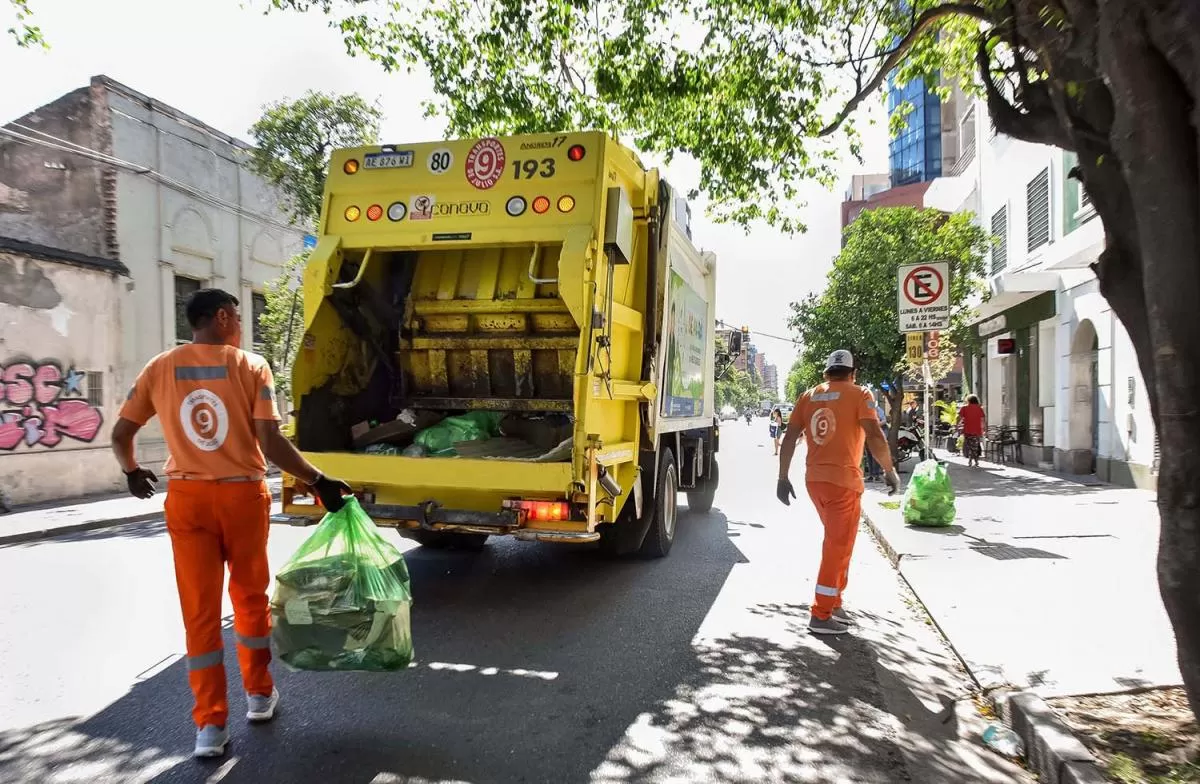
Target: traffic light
{"points": [[745, 335]]}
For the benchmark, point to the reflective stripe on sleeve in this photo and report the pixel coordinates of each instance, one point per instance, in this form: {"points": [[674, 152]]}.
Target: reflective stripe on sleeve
{"points": [[254, 643], [825, 590], [206, 660]]}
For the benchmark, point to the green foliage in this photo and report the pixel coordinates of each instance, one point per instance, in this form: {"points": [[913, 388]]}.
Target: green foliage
{"points": [[23, 31], [737, 389], [746, 87], [857, 309], [282, 323], [804, 374], [948, 410], [294, 139]]}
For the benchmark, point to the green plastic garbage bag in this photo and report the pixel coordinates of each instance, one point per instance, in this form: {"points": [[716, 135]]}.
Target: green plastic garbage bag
{"points": [[929, 498], [342, 602], [439, 440]]}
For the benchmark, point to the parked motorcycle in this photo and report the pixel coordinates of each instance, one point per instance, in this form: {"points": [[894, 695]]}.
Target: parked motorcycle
{"points": [[910, 441]]}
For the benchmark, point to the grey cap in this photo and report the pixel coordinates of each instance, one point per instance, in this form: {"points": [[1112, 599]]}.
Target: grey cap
{"points": [[840, 359]]}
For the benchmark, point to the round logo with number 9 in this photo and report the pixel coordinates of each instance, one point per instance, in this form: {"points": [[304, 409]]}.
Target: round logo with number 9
{"points": [[485, 163], [822, 426], [205, 420]]}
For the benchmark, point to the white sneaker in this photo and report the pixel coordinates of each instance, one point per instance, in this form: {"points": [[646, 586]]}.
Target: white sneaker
{"points": [[211, 741], [262, 707]]}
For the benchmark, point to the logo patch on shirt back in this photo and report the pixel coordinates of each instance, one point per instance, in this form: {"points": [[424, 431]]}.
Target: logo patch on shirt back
{"points": [[822, 426], [205, 419]]}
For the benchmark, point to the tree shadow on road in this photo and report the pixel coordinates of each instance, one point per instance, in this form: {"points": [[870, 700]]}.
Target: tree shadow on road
{"points": [[532, 663]]}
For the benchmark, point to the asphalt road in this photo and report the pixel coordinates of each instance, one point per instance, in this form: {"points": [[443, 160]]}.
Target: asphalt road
{"points": [[535, 663]]}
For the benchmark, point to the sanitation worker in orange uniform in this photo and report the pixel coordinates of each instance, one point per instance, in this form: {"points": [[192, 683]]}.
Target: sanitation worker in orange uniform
{"points": [[216, 404], [836, 417]]}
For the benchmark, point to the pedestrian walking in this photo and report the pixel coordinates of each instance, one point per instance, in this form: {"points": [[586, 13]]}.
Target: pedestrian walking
{"points": [[216, 405], [836, 418], [972, 421], [776, 427]]}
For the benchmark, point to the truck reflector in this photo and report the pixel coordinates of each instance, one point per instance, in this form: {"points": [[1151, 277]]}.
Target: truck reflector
{"points": [[541, 204], [352, 213], [350, 166], [576, 152], [566, 203], [374, 212], [397, 210]]}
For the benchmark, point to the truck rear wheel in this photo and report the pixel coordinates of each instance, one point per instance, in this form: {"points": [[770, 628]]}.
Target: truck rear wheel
{"points": [[445, 540], [664, 509], [701, 499]]}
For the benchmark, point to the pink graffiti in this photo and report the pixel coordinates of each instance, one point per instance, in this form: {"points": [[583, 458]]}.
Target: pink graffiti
{"points": [[46, 416], [48, 425], [23, 383]]}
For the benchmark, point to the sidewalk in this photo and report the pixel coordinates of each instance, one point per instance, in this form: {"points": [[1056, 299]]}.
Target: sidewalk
{"points": [[30, 523], [1043, 583]]}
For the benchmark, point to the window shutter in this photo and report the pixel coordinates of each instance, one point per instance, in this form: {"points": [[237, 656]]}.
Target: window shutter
{"points": [[184, 288], [1000, 232], [1037, 200]]}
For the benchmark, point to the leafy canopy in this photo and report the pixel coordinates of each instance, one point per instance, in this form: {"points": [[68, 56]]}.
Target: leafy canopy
{"points": [[736, 388], [858, 308], [23, 30], [294, 139]]}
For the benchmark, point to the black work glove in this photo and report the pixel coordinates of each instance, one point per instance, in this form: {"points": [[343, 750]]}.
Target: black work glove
{"points": [[142, 482], [330, 491], [784, 489]]}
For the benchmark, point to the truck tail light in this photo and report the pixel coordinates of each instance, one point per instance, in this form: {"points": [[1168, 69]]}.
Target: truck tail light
{"points": [[576, 152], [541, 204], [542, 511]]}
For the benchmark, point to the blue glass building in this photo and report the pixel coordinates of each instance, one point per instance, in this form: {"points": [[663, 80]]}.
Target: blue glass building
{"points": [[916, 154]]}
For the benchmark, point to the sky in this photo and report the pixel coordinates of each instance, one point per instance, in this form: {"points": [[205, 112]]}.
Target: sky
{"points": [[221, 62]]}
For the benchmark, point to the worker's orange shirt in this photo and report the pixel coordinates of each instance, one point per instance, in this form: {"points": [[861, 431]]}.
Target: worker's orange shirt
{"points": [[207, 398], [831, 414]]}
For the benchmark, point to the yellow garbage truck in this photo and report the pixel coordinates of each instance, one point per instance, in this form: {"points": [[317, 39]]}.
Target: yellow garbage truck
{"points": [[508, 336]]}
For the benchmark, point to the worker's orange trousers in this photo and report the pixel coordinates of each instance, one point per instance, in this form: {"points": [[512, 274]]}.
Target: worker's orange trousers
{"points": [[211, 524], [840, 509]]}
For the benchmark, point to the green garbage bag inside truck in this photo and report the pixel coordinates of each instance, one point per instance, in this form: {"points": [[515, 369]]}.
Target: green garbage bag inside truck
{"points": [[342, 602], [929, 498], [439, 440]]}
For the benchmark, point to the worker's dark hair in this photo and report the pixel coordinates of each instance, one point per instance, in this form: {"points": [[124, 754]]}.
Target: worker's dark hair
{"points": [[203, 305], [972, 400], [839, 373]]}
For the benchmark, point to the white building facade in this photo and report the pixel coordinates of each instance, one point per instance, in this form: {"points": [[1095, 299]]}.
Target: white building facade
{"points": [[1052, 362], [109, 173]]}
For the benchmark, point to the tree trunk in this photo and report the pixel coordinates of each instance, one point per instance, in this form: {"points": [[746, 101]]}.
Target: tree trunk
{"points": [[1155, 139]]}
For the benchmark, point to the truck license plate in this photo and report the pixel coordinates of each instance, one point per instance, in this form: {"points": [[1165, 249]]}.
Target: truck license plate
{"points": [[402, 159]]}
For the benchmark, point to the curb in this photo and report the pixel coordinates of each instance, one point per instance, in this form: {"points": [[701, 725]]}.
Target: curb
{"points": [[1051, 749], [25, 537]]}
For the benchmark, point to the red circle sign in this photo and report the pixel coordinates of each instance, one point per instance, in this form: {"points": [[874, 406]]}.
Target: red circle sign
{"points": [[923, 285], [485, 163]]}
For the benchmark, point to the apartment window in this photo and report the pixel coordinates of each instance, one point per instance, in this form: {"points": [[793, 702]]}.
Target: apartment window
{"points": [[966, 135], [184, 288], [95, 388], [1037, 202], [1000, 238], [258, 307]]}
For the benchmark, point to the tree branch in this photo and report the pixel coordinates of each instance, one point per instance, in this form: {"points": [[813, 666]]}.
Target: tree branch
{"points": [[925, 20], [1039, 125]]}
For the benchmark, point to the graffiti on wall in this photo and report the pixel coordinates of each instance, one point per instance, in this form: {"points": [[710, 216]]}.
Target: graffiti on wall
{"points": [[40, 405]]}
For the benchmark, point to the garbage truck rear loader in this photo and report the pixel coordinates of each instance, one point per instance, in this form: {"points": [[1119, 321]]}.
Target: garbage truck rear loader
{"points": [[508, 336]]}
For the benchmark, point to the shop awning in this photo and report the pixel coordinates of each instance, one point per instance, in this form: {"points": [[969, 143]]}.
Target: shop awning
{"points": [[1010, 289]]}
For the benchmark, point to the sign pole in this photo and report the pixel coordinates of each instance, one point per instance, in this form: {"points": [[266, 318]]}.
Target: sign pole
{"points": [[928, 373]]}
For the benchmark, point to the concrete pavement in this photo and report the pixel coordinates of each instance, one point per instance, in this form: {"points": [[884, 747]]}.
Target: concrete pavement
{"points": [[1043, 583], [534, 663]]}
